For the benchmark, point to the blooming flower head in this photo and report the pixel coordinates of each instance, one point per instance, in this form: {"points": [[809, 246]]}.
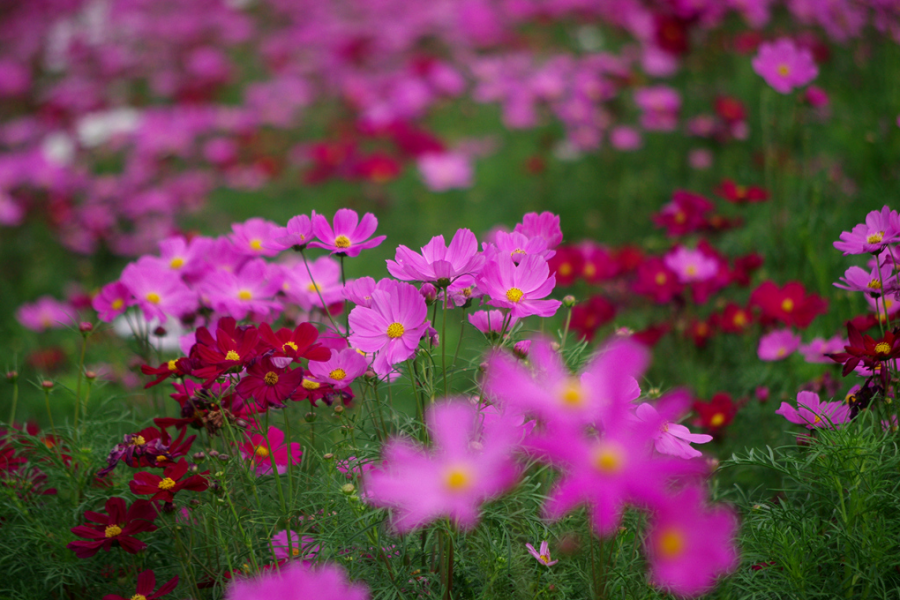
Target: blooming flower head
{"points": [[671, 438], [517, 245], [232, 348], [117, 526], [113, 300], [257, 450], [545, 225], [187, 258], [691, 265], [716, 413], [297, 235], [685, 213], [268, 384], [656, 280], [158, 291], [249, 290], [543, 556], [255, 237], [146, 581], [811, 412], [349, 236], [659, 105], [313, 284], [439, 263], [778, 345], [341, 369], [790, 304], [392, 327], [815, 351], [297, 582], [172, 481], [881, 228], [784, 65], [875, 282], [740, 194], [46, 313], [304, 549], [462, 470], [735, 319], [491, 322], [520, 288], [291, 345]]}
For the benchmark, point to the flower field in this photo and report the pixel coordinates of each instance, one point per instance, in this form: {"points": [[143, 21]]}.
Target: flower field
{"points": [[373, 299]]}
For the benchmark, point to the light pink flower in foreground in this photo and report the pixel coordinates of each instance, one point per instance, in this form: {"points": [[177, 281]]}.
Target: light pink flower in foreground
{"points": [[308, 292], [671, 438], [349, 236], [251, 290], [187, 258], [461, 471], [520, 288], [691, 545], [438, 263], [45, 313], [874, 283], [298, 582], [392, 327], [778, 345], [543, 556], [812, 412], [784, 65]]}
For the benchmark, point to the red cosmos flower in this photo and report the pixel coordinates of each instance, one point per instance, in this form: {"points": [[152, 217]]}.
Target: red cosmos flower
{"points": [[593, 314], [233, 348], [598, 264], [146, 581], [716, 413], [656, 280], [790, 305], [294, 345], [257, 447], [567, 265], [164, 488], [629, 258], [314, 391], [741, 194], [671, 33], [649, 336], [269, 385], [118, 526], [701, 331], [735, 319], [378, 168], [867, 350], [173, 368], [150, 447], [744, 266], [686, 213], [730, 109]]}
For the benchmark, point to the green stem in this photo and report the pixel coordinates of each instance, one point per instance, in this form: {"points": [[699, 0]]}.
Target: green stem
{"points": [[80, 375], [274, 466], [15, 400], [444, 341], [312, 280], [49, 414]]}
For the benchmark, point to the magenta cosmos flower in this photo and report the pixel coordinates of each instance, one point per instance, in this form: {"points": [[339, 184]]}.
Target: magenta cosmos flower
{"points": [[671, 438], [341, 369], [520, 288], [544, 225], [392, 327], [438, 263], [45, 313], [784, 65], [255, 237], [349, 236], [298, 582], [462, 470], [690, 545], [158, 291], [543, 556], [812, 412], [518, 246], [881, 228], [874, 283], [303, 549], [257, 450], [604, 387], [777, 345], [691, 265], [491, 322], [297, 235], [113, 300]]}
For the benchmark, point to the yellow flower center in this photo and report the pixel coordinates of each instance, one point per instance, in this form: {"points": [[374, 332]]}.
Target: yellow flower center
{"points": [[466, 292], [565, 269], [660, 279], [312, 287], [590, 270], [545, 558], [256, 245], [176, 263], [680, 217], [395, 330], [457, 479], [291, 345], [717, 420], [232, 355], [691, 270], [608, 459], [874, 285], [139, 597], [153, 298], [571, 393], [787, 305], [338, 374], [261, 452], [784, 70], [310, 385], [875, 238], [670, 543], [781, 352], [117, 303], [517, 251], [245, 295], [342, 241], [167, 484], [740, 191], [271, 378], [138, 440], [817, 419], [172, 365], [112, 531], [295, 552], [740, 319], [882, 348], [514, 294]]}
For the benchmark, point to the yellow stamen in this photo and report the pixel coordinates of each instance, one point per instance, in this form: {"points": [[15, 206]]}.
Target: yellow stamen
{"points": [[291, 345], [784, 70], [342, 241], [571, 393], [670, 543], [680, 217], [395, 330], [153, 298], [882, 348], [270, 378], [875, 238], [514, 294], [338, 374], [874, 285], [261, 452], [545, 559], [117, 304], [717, 420], [138, 440], [565, 269], [310, 385], [517, 251], [245, 295], [256, 245], [691, 270], [139, 597], [172, 365], [609, 459], [660, 279], [112, 531], [295, 552], [176, 263], [787, 305], [590, 270], [232, 355], [167, 484], [740, 319], [457, 479], [312, 287]]}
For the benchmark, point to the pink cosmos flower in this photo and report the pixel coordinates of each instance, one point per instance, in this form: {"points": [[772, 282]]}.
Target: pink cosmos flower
{"points": [[811, 412], [297, 235], [359, 291], [158, 291], [880, 229], [602, 390], [187, 258], [251, 290], [350, 236], [113, 300], [254, 237], [438, 263], [784, 65], [671, 438], [461, 471], [340, 370], [325, 284], [490, 322], [45, 313], [659, 105], [815, 350], [777, 345], [297, 582], [257, 450], [518, 246], [543, 556], [874, 283], [446, 171], [463, 290], [690, 545], [520, 288], [545, 225], [392, 327], [303, 549], [625, 139], [691, 265]]}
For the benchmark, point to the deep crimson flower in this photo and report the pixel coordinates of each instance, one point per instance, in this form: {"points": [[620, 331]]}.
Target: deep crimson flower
{"points": [[656, 280], [173, 368], [378, 167], [741, 194], [744, 266], [790, 304], [700, 331], [164, 488], [150, 447], [146, 581], [650, 336], [716, 413], [269, 385], [730, 109], [117, 526], [233, 348], [629, 258], [591, 315], [598, 264], [867, 350], [686, 213], [567, 264], [671, 33], [735, 319]]}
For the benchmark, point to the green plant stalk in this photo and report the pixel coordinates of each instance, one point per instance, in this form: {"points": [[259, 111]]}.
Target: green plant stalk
{"points": [[49, 414], [334, 324], [444, 341], [274, 466], [15, 400], [565, 336], [84, 338], [287, 430]]}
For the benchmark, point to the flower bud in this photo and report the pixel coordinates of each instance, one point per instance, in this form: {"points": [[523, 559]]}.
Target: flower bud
{"points": [[160, 331], [90, 375], [193, 469], [328, 456], [12, 376], [224, 457], [520, 349], [338, 409], [199, 457], [569, 301], [47, 384], [762, 393], [309, 417], [85, 327], [214, 453], [428, 292], [348, 488], [194, 502]]}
